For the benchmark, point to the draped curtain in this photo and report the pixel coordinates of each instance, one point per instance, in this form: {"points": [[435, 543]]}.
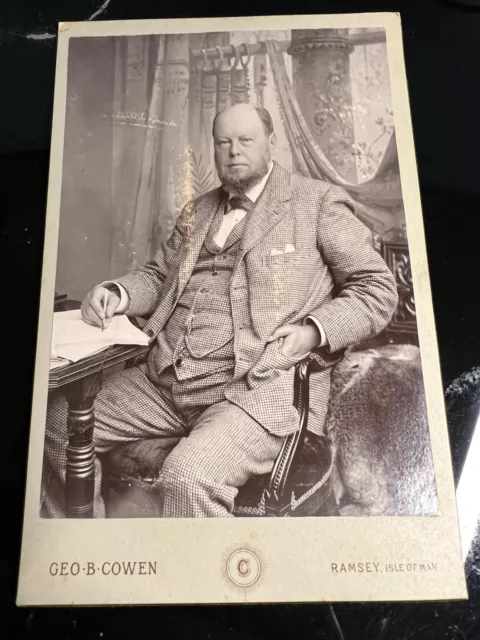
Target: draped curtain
{"points": [[378, 199], [163, 110], [164, 103], [150, 139]]}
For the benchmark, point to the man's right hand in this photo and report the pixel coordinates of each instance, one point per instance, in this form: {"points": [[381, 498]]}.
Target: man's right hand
{"points": [[93, 305]]}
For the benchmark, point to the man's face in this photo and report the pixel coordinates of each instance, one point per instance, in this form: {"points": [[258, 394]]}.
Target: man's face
{"points": [[242, 148]]}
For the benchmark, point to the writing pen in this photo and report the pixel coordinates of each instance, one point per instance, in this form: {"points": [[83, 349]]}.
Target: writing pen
{"points": [[104, 320]]}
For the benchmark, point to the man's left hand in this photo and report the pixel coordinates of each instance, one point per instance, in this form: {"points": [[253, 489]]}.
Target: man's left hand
{"points": [[298, 340]]}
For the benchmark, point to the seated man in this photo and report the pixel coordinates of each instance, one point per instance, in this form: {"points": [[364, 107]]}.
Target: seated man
{"points": [[256, 274]]}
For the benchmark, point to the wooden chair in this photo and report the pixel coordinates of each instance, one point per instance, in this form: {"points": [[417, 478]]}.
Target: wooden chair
{"points": [[295, 487]]}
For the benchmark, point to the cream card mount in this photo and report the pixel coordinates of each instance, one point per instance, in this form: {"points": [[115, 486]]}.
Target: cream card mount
{"points": [[131, 148]]}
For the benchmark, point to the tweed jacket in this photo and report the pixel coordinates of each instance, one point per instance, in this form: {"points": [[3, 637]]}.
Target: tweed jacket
{"points": [[333, 274]]}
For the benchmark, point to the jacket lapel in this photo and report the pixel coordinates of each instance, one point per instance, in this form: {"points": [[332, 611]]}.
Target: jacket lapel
{"points": [[269, 209], [201, 216]]}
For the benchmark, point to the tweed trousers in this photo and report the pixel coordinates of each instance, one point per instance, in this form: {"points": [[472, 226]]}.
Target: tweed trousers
{"points": [[219, 449]]}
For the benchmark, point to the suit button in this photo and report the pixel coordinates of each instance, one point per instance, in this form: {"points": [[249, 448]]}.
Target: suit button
{"points": [[178, 362], [150, 332]]}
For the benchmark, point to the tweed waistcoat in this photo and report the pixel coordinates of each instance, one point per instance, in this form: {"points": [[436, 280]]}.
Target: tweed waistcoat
{"points": [[197, 340]]}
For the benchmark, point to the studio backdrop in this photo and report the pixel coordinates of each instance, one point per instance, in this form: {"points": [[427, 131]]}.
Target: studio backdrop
{"points": [[138, 135]]}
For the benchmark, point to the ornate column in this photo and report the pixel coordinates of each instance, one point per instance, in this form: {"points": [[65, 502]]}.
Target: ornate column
{"points": [[321, 80]]}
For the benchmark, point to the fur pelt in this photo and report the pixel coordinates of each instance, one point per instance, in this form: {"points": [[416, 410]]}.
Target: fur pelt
{"points": [[377, 421]]}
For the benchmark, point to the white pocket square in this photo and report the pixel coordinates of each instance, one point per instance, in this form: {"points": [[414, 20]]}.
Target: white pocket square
{"points": [[289, 248]]}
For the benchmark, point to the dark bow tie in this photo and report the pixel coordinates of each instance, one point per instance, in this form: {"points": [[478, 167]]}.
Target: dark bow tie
{"points": [[236, 202]]}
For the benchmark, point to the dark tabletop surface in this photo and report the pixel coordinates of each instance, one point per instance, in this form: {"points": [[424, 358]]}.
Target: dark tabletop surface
{"points": [[442, 51]]}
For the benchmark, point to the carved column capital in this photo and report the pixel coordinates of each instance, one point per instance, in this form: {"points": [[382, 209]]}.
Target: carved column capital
{"points": [[306, 40]]}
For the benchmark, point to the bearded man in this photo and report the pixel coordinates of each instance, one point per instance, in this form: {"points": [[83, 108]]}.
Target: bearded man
{"points": [[256, 274]]}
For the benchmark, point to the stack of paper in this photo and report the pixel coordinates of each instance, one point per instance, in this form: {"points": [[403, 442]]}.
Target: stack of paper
{"points": [[74, 339]]}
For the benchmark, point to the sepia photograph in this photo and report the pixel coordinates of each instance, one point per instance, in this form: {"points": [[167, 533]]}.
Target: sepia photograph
{"points": [[232, 216], [236, 359]]}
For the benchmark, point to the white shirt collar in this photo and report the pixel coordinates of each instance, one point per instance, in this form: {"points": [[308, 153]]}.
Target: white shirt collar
{"points": [[253, 194]]}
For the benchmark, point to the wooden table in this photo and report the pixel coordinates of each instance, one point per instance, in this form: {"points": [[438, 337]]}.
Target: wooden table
{"points": [[80, 382]]}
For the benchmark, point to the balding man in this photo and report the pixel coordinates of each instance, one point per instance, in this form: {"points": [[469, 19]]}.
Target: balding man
{"points": [[256, 274]]}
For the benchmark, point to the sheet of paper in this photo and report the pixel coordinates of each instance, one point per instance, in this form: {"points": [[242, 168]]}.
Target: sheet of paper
{"points": [[74, 339], [75, 352], [55, 363]]}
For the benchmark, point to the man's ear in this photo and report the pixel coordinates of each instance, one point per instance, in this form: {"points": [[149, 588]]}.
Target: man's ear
{"points": [[273, 142]]}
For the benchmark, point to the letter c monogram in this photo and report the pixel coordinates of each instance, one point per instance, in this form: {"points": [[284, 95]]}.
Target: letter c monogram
{"points": [[243, 567]]}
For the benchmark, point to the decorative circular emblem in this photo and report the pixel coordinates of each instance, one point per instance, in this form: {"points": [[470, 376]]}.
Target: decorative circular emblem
{"points": [[243, 567]]}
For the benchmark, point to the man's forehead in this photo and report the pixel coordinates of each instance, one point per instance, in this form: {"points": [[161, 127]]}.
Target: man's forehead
{"points": [[238, 121]]}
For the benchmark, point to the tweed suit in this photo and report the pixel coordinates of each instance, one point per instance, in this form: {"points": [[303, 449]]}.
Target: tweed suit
{"points": [[218, 447], [197, 340], [334, 275]]}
